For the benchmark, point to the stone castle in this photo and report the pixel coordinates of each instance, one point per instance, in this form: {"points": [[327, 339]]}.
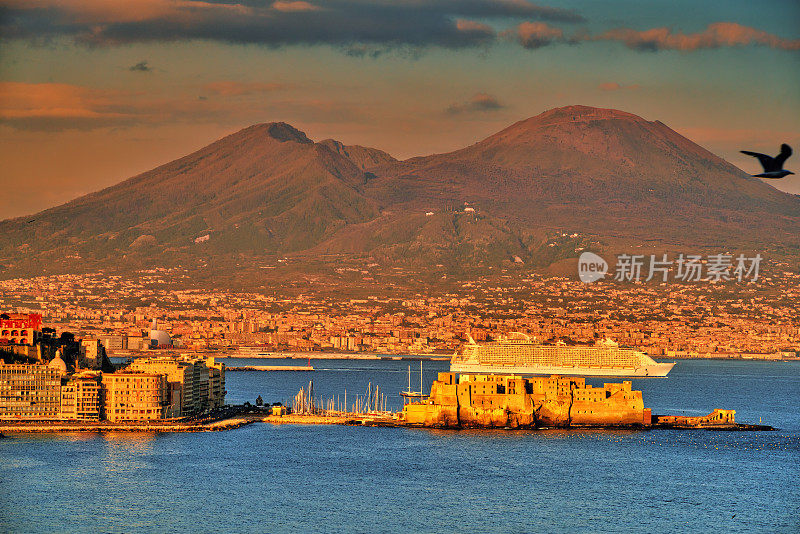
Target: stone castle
{"points": [[517, 402]]}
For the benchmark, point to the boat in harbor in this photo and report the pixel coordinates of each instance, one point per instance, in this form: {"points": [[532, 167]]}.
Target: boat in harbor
{"points": [[409, 395], [244, 351], [518, 354]]}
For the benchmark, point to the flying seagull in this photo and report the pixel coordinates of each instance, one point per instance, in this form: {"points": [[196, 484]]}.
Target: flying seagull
{"points": [[773, 167]]}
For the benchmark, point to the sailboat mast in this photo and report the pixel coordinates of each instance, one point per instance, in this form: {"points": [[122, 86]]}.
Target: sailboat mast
{"points": [[420, 378]]}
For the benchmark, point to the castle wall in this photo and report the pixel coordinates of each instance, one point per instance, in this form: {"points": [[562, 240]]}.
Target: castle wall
{"points": [[509, 401], [614, 404]]}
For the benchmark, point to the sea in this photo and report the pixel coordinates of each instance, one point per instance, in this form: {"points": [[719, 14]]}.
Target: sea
{"points": [[304, 478]]}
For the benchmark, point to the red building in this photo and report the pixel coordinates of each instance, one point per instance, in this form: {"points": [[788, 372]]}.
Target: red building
{"points": [[20, 328]]}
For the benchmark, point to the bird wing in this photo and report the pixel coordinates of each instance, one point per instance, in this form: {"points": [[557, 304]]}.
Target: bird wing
{"points": [[766, 161], [786, 151]]}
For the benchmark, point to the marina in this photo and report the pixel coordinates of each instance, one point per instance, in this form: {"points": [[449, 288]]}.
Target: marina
{"points": [[357, 470]]}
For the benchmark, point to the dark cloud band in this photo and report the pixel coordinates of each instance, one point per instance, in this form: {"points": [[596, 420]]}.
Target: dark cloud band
{"points": [[534, 35], [481, 102], [283, 22], [358, 27]]}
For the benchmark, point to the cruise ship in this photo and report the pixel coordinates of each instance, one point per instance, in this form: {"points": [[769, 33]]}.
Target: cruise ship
{"points": [[519, 355], [244, 351]]}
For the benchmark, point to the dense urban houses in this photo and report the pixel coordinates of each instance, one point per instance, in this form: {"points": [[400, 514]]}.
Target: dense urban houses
{"points": [[673, 320], [79, 382]]}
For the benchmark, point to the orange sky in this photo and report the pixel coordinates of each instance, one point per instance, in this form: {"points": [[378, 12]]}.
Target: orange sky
{"points": [[93, 92]]}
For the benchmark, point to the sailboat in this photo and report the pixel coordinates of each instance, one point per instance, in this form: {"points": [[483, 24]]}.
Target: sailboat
{"points": [[410, 395]]}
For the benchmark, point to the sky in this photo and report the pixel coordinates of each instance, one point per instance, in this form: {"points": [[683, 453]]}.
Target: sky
{"points": [[95, 91]]}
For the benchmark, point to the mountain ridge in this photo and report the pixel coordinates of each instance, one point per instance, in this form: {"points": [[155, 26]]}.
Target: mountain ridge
{"points": [[268, 189]]}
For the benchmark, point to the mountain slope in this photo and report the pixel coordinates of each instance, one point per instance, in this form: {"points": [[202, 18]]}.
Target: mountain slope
{"points": [[598, 171], [264, 189], [269, 190], [364, 157]]}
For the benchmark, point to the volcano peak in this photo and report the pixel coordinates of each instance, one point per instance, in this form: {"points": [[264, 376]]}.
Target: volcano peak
{"points": [[281, 131]]}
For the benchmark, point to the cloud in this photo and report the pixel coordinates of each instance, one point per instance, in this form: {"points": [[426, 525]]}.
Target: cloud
{"points": [[294, 6], [232, 88], [363, 28], [49, 105], [367, 50], [341, 23], [142, 66], [464, 25], [533, 35], [614, 86], [716, 35], [58, 107], [481, 102]]}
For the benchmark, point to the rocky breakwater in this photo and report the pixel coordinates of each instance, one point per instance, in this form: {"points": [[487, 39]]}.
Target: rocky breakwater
{"points": [[716, 420]]}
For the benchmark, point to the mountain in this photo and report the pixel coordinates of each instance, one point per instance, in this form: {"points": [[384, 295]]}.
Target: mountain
{"points": [[366, 158], [265, 189], [602, 172], [599, 175]]}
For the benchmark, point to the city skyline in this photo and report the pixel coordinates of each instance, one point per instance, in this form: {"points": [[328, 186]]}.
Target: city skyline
{"points": [[108, 92]]}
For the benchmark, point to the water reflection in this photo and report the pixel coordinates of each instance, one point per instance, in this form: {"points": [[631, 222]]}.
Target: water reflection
{"points": [[126, 451]]}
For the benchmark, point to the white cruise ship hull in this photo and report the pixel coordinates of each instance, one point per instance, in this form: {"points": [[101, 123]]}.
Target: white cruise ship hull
{"points": [[651, 370]]}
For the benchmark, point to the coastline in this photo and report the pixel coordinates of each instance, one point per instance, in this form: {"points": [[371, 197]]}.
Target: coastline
{"points": [[228, 423], [66, 427], [382, 356], [271, 355], [270, 368], [7, 429], [274, 355]]}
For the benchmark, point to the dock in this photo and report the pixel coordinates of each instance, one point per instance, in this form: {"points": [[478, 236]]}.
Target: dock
{"points": [[347, 419]]}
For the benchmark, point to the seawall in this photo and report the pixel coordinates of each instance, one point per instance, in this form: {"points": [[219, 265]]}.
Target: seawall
{"points": [[60, 427]]}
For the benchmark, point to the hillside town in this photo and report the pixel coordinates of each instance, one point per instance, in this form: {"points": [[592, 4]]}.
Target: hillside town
{"points": [[673, 320]]}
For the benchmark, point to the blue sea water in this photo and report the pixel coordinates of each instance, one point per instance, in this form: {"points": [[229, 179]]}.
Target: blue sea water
{"points": [[290, 478]]}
